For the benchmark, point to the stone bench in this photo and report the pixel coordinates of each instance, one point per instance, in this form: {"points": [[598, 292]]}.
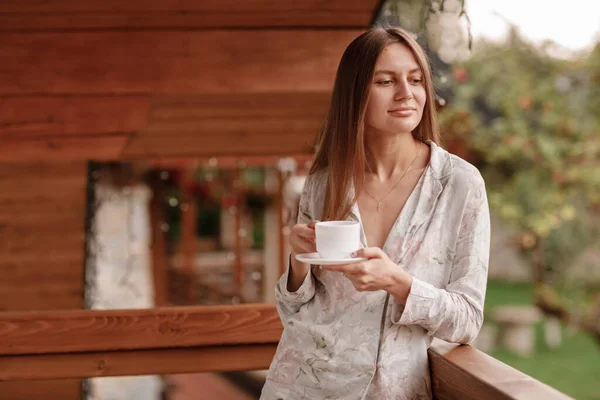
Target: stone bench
{"points": [[516, 328]]}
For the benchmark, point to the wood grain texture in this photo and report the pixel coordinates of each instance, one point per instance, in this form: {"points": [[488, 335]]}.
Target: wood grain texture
{"points": [[137, 362], [59, 149], [463, 372], [94, 330], [243, 124], [69, 389], [171, 62], [42, 171], [67, 14], [41, 297], [59, 116], [42, 211], [15, 274], [281, 138]]}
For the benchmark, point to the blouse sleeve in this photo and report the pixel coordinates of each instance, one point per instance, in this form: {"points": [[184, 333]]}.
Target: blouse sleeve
{"points": [[455, 314], [289, 303]]}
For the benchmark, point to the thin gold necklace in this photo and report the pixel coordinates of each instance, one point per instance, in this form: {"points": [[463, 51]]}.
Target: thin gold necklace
{"points": [[396, 184]]}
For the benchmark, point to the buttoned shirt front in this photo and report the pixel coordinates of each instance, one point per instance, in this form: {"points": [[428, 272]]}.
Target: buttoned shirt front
{"points": [[339, 343]]}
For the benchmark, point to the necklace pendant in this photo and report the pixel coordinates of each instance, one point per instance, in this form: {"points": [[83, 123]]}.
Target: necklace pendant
{"points": [[378, 207]]}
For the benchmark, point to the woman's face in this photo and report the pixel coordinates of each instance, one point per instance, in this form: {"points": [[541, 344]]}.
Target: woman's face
{"points": [[397, 94]]}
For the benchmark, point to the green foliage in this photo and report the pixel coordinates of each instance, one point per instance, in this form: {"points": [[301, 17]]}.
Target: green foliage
{"points": [[531, 122]]}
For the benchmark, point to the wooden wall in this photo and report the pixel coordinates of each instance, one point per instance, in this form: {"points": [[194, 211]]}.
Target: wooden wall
{"points": [[110, 79]]}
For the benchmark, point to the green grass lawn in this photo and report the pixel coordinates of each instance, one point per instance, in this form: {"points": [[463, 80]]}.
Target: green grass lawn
{"points": [[574, 368]]}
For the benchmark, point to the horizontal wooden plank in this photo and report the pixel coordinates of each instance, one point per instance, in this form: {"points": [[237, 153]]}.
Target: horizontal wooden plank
{"points": [[29, 193], [257, 6], [44, 216], [39, 274], [218, 137], [171, 62], [52, 260], [55, 297], [32, 184], [463, 372], [44, 225], [243, 105], [100, 148], [38, 15], [63, 227], [244, 128], [18, 209], [49, 116], [42, 170], [67, 389], [224, 137], [137, 362], [45, 199], [38, 242], [176, 20], [42, 288], [38, 117], [95, 330]]}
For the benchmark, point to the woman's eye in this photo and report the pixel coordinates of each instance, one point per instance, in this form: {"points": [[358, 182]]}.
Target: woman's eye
{"points": [[385, 82], [416, 81]]}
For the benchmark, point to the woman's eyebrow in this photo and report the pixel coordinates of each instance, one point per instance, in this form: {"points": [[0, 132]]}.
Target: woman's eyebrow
{"points": [[390, 72], [385, 71]]}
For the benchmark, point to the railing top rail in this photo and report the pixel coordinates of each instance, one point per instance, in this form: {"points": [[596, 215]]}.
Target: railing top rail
{"points": [[71, 331]]}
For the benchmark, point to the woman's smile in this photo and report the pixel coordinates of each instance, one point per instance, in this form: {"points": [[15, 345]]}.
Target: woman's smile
{"points": [[402, 112]]}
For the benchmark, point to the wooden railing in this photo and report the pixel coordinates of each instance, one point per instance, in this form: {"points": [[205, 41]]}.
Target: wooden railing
{"points": [[94, 343]]}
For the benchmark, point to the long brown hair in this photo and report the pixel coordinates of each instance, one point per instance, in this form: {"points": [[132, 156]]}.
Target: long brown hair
{"points": [[340, 146]]}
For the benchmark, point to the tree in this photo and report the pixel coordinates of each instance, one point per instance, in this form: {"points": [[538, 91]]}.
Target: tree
{"points": [[530, 121]]}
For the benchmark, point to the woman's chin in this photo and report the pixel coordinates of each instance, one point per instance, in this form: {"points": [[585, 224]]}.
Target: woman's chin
{"points": [[397, 128]]}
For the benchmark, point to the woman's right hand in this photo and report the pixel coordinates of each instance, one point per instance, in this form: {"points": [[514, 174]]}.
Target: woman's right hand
{"points": [[302, 238]]}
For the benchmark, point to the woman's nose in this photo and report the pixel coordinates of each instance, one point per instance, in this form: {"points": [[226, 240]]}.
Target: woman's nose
{"points": [[403, 92]]}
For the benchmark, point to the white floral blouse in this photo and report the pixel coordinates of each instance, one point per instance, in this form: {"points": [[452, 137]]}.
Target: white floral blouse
{"points": [[342, 344]]}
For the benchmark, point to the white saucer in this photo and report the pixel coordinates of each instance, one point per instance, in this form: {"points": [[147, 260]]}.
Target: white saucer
{"points": [[314, 258]]}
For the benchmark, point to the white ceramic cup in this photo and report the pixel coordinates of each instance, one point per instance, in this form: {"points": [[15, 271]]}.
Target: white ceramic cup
{"points": [[337, 239]]}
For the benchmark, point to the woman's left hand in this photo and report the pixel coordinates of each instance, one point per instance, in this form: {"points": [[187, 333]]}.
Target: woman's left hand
{"points": [[378, 272]]}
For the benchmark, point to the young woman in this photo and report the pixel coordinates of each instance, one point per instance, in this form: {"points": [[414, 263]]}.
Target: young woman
{"points": [[362, 330]]}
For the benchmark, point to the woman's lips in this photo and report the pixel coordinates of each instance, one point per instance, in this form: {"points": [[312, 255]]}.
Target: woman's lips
{"points": [[402, 112]]}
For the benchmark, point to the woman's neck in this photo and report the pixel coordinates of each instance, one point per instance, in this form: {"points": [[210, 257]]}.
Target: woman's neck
{"points": [[389, 156]]}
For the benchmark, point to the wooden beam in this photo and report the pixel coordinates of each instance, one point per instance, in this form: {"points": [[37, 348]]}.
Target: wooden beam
{"points": [[38, 15], [171, 62], [463, 372], [95, 330], [137, 362]]}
